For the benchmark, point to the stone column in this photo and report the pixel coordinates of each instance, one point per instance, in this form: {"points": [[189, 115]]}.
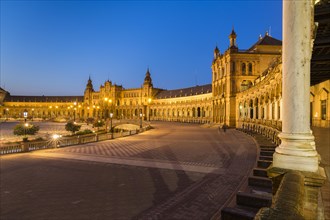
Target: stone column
{"points": [[270, 110], [281, 108], [297, 150], [276, 110]]}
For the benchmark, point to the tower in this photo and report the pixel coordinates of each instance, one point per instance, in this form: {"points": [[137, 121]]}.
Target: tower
{"points": [[88, 91], [147, 79], [216, 52], [232, 41]]}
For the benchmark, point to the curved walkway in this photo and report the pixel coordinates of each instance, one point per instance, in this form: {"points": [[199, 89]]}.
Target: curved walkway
{"points": [[175, 171]]}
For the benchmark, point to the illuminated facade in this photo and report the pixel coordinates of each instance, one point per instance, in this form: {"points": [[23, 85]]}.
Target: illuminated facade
{"points": [[246, 88]]}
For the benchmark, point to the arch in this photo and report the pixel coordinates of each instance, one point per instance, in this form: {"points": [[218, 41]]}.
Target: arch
{"points": [[251, 108], [246, 84]]}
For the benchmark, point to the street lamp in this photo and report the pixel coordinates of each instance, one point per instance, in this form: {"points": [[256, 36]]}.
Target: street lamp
{"points": [[56, 139], [111, 115], [74, 113], [140, 120], [149, 101], [25, 127], [25, 114]]}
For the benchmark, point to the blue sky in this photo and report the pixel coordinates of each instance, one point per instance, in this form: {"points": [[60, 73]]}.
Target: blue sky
{"points": [[52, 47]]}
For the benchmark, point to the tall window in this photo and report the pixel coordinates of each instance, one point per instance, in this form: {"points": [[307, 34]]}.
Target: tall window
{"points": [[250, 68], [323, 109], [243, 68], [233, 70]]}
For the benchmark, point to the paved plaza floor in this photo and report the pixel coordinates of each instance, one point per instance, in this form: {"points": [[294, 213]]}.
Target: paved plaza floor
{"points": [[175, 171]]}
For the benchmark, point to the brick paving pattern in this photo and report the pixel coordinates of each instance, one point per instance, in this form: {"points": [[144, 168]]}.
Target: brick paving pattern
{"points": [[38, 185]]}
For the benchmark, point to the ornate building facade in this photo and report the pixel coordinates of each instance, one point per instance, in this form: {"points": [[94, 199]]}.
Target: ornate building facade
{"points": [[246, 88]]}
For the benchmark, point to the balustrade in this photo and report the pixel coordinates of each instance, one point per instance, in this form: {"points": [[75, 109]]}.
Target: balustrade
{"points": [[64, 141]]}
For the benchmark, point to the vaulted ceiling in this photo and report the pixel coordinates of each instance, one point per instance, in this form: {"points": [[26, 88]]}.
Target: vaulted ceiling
{"points": [[320, 65]]}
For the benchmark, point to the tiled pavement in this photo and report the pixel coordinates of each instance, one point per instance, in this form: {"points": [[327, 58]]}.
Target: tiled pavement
{"points": [[176, 177], [86, 184]]}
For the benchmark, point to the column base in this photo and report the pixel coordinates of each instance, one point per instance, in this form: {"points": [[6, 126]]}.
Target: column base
{"points": [[293, 162], [296, 152]]}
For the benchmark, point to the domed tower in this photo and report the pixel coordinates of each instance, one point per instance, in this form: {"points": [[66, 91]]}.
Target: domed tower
{"points": [[232, 41], [147, 87], [216, 52], [88, 92], [147, 79]]}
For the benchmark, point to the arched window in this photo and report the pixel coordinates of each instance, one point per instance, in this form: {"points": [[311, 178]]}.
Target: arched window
{"points": [[250, 69], [243, 67], [245, 85], [251, 109], [257, 108]]}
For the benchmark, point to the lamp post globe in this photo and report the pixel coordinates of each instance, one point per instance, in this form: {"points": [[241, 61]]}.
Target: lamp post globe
{"points": [[111, 115], [140, 120], [25, 114]]}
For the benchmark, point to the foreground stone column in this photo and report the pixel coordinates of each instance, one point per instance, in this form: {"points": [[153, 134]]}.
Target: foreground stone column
{"points": [[297, 150]]}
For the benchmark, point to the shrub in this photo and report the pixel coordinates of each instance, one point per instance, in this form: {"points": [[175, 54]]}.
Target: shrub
{"points": [[98, 124], [73, 127], [86, 131], [25, 129]]}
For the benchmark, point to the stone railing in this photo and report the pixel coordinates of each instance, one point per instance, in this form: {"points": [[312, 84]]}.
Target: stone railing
{"points": [[268, 128], [185, 119], [27, 146]]}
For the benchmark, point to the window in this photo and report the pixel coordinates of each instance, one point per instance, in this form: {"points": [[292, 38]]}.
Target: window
{"points": [[233, 70], [323, 109], [250, 69], [243, 68]]}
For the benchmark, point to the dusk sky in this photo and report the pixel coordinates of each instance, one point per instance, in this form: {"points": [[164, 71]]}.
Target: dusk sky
{"points": [[52, 47]]}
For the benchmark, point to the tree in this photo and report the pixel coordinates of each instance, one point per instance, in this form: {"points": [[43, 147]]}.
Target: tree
{"points": [[25, 129], [98, 124], [72, 126]]}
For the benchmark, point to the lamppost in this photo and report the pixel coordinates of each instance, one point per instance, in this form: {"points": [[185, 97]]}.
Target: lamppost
{"points": [[105, 108], [110, 101], [25, 114], [140, 120], [25, 126], [56, 140], [32, 113], [111, 115], [149, 101], [74, 111]]}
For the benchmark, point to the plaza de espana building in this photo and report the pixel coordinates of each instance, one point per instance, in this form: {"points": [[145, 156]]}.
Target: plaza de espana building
{"points": [[246, 89]]}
